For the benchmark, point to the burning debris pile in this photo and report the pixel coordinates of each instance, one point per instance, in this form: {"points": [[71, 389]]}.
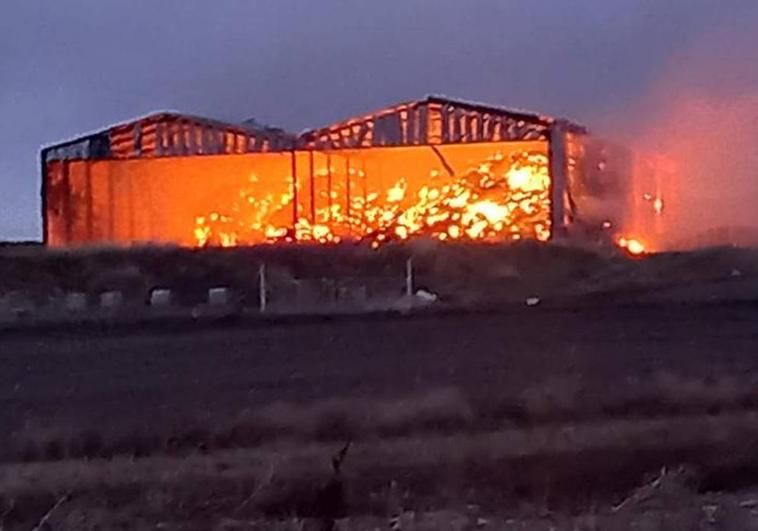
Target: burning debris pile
{"points": [[503, 198]]}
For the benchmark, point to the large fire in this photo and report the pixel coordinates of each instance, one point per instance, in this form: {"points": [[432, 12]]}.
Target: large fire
{"points": [[503, 198]]}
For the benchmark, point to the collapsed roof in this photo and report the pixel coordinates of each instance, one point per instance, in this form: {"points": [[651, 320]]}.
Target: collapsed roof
{"points": [[432, 120]]}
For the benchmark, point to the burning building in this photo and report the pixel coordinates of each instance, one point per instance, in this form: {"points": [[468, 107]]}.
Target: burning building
{"points": [[439, 168]]}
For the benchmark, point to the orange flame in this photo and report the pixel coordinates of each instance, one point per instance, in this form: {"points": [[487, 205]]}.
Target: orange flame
{"points": [[633, 246], [500, 199]]}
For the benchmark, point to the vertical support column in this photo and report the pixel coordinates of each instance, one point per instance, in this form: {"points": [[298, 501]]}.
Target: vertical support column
{"points": [[364, 187], [138, 140], [168, 138], [209, 142], [404, 126], [67, 212], [313, 187], [409, 278], [44, 198], [347, 192], [111, 208], [130, 202], [192, 143], [262, 295], [220, 142], [558, 167], [445, 133], [433, 121], [183, 143], [293, 164], [411, 136], [329, 186], [180, 144], [421, 125], [159, 139], [88, 199], [147, 196]]}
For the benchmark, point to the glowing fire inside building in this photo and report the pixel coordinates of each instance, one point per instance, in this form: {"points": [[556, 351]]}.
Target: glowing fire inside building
{"points": [[505, 196], [436, 168]]}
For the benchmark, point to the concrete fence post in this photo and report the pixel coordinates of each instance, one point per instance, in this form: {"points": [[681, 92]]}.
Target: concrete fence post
{"points": [[262, 295], [409, 277], [160, 298], [218, 296]]}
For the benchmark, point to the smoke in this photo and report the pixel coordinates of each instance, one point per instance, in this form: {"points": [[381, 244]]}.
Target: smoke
{"points": [[709, 141], [697, 125]]}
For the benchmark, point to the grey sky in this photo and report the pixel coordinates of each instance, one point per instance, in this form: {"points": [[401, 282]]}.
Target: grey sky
{"points": [[70, 66]]}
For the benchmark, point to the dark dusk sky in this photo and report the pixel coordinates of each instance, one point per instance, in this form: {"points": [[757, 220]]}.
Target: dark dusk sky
{"points": [[72, 66]]}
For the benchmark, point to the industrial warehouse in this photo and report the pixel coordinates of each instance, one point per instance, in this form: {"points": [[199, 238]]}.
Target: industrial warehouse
{"points": [[440, 168]]}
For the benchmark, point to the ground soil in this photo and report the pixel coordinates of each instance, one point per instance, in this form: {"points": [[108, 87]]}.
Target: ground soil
{"points": [[542, 366], [54, 377], [590, 413]]}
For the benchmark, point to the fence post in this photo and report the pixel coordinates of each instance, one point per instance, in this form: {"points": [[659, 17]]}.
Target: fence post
{"points": [[409, 277], [262, 300]]}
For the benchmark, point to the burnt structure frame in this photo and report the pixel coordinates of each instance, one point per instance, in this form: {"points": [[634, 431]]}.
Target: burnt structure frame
{"points": [[435, 120]]}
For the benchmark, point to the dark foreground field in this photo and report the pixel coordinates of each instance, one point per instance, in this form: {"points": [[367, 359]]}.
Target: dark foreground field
{"points": [[535, 416], [136, 376], [625, 399]]}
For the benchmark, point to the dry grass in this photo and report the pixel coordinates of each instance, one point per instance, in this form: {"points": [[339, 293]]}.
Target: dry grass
{"points": [[444, 410], [730, 517], [624, 279], [440, 411], [560, 454], [564, 475]]}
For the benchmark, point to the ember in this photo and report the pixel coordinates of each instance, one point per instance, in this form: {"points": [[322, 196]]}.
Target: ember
{"points": [[632, 246]]}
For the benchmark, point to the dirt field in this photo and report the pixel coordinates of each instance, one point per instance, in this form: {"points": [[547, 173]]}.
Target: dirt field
{"points": [[106, 377], [627, 397], [560, 382]]}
